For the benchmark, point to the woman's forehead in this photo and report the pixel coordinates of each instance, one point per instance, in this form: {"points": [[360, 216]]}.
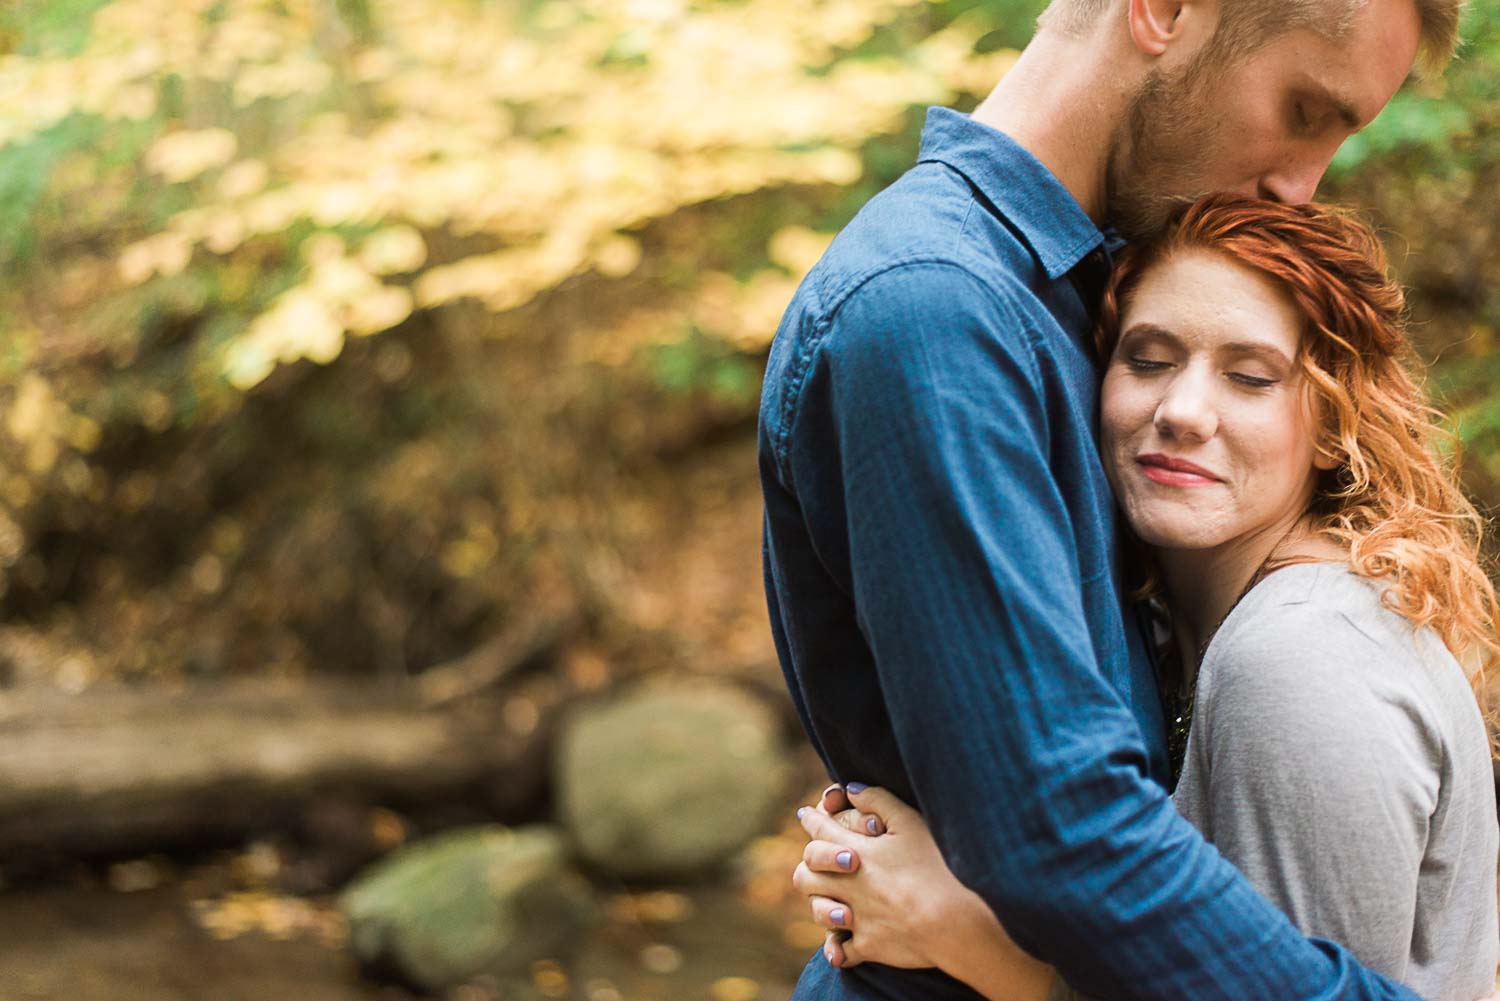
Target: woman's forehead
{"points": [[1202, 296]]}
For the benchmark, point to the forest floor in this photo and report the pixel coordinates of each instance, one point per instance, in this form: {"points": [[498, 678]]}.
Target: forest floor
{"points": [[85, 941], [211, 927]]}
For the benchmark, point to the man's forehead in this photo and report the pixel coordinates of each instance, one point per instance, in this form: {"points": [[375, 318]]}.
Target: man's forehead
{"points": [[1356, 73], [1376, 55]]}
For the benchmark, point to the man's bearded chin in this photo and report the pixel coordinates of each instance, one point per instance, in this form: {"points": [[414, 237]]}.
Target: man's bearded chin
{"points": [[1157, 163]]}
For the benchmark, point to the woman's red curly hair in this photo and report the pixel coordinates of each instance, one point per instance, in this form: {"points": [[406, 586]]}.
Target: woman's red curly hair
{"points": [[1393, 498]]}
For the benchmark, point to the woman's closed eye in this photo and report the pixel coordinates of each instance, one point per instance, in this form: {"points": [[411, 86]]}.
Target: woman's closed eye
{"points": [[1147, 366], [1253, 381]]}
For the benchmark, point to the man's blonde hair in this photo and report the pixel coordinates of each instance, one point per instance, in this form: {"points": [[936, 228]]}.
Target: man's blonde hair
{"points": [[1246, 25]]}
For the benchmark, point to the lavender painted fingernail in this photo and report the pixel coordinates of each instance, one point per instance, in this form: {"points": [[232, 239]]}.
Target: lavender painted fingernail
{"points": [[800, 811], [872, 825], [837, 915], [856, 787], [844, 859]]}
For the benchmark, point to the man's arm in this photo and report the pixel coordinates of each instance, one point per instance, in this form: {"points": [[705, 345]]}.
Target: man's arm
{"points": [[1025, 760]]}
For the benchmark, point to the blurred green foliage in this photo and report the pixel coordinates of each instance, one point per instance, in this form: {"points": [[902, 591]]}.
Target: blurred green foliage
{"points": [[337, 333], [1426, 170]]}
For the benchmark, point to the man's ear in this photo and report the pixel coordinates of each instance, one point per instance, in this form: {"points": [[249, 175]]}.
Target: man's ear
{"points": [[1155, 25]]}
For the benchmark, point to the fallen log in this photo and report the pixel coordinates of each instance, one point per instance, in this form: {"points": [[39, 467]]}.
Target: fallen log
{"points": [[120, 769], [500, 657]]}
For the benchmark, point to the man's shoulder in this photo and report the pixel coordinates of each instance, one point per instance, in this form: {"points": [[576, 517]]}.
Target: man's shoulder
{"points": [[939, 288], [919, 271], [930, 222]]}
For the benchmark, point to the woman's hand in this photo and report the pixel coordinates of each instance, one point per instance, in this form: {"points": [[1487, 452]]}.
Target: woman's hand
{"points": [[894, 886], [889, 898]]}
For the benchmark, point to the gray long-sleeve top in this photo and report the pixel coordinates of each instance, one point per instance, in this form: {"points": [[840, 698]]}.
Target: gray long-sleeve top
{"points": [[1338, 757]]}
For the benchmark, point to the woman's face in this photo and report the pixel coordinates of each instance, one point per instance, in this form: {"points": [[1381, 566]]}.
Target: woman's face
{"points": [[1206, 419]]}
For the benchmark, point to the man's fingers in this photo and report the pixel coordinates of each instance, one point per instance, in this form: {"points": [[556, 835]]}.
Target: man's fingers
{"points": [[830, 913], [881, 802], [825, 856]]}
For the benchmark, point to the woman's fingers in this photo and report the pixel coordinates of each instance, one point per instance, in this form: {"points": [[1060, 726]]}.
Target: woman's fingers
{"points": [[840, 951], [835, 803], [821, 827], [809, 883], [882, 803], [860, 823], [833, 950], [833, 800], [825, 856], [831, 913]]}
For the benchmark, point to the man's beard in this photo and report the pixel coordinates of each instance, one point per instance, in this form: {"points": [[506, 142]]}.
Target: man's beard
{"points": [[1158, 161]]}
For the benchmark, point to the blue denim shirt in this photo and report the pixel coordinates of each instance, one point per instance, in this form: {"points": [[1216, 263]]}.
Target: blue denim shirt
{"points": [[940, 569]]}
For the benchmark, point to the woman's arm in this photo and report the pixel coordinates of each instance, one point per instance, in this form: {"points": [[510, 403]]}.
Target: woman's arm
{"points": [[1315, 776], [903, 907]]}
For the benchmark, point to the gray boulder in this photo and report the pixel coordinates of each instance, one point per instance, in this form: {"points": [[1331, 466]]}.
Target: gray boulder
{"points": [[668, 781], [477, 900]]}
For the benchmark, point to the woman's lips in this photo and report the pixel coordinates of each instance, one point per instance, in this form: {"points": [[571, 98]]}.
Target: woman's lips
{"points": [[1174, 472]]}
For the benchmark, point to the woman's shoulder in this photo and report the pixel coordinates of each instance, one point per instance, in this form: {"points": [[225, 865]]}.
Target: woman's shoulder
{"points": [[1319, 608], [1321, 636]]}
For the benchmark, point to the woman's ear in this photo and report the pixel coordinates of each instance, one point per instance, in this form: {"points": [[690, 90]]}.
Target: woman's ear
{"points": [[1325, 458]]}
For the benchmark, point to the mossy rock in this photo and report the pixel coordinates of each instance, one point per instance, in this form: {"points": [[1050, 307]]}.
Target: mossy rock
{"points": [[471, 901], [669, 781]]}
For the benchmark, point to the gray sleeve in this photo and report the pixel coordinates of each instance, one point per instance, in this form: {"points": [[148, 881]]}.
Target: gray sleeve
{"points": [[1322, 770]]}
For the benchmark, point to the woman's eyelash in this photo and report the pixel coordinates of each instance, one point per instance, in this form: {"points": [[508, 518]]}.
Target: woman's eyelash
{"points": [[1147, 365]]}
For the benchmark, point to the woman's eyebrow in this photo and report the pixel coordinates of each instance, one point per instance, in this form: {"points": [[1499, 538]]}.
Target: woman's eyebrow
{"points": [[1147, 329], [1256, 348], [1265, 349]]}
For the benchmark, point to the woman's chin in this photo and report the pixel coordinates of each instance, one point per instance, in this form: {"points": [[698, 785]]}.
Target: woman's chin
{"points": [[1176, 532]]}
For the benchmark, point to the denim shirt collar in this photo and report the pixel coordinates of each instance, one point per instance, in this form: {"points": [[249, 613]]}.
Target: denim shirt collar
{"points": [[1022, 191]]}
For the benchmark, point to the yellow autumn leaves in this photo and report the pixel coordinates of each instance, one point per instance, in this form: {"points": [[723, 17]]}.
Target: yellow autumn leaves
{"points": [[536, 144], [341, 295], [185, 153]]}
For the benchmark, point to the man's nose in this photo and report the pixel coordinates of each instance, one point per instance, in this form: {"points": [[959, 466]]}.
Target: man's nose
{"points": [[1296, 183], [1187, 411]]}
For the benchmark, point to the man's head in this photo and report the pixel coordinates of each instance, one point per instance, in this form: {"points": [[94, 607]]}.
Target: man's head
{"points": [[1250, 96], [1245, 25]]}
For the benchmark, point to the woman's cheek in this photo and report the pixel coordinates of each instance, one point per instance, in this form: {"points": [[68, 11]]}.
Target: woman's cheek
{"points": [[1123, 410], [1113, 400]]}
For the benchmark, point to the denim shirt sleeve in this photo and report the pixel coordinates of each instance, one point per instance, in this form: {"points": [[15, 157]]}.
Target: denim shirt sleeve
{"points": [[917, 446]]}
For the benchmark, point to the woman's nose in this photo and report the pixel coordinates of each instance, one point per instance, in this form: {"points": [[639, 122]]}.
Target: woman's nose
{"points": [[1187, 410]]}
